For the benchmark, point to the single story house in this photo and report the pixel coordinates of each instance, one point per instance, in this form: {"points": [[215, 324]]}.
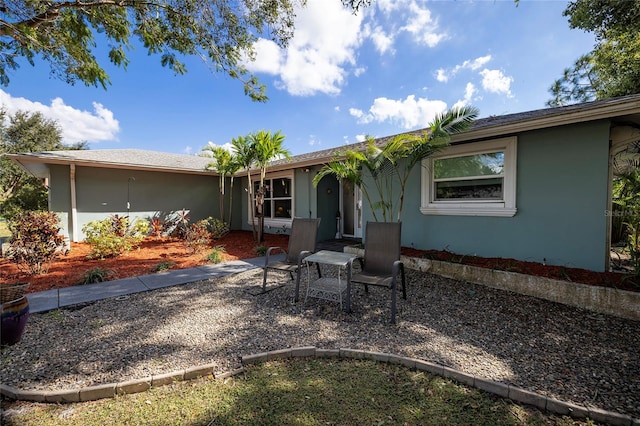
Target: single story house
{"points": [[542, 195]]}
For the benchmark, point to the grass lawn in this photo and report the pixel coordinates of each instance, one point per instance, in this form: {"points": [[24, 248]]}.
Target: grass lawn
{"points": [[298, 392]]}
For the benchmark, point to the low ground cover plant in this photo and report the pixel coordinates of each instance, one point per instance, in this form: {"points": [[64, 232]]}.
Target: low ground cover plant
{"points": [[164, 266], [261, 250], [215, 256], [98, 275]]}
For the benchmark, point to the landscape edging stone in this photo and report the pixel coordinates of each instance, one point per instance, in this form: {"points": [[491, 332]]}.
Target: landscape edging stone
{"points": [[516, 394], [604, 300]]}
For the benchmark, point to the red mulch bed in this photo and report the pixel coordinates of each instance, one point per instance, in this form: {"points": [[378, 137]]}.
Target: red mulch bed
{"points": [[605, 279], [69, 270]]}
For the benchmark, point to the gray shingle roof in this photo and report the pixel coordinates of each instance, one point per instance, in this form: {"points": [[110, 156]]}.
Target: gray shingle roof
{"points": [[137, 158]]}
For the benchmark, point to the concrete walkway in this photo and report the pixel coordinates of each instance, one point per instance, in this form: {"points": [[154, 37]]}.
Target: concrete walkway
{"points": [[53, 299]]}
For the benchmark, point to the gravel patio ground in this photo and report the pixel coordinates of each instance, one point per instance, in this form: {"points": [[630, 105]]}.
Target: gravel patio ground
{"points": [[556, 350]]}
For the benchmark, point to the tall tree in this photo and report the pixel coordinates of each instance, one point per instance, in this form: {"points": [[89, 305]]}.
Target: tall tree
{"points": [[221, 32], [232, 168], [25, 132], [613, 67], [267, 147], [223, 164], [245, 156], [580, 83], [603, 16]]}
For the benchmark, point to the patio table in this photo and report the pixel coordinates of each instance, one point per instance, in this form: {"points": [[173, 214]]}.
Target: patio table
{"points": [[330, 288]]}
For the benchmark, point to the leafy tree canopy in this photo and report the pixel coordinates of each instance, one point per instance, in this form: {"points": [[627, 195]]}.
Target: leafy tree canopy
{"points": [[25, 132], [604, 16], [613, 67], [63, 33]]}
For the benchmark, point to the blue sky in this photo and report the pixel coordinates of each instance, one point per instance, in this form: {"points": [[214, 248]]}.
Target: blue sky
{"points": [[387, 70]]}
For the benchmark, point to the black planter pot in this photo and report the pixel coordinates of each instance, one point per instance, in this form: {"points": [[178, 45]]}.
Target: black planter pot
{"points": [[14, 313]]}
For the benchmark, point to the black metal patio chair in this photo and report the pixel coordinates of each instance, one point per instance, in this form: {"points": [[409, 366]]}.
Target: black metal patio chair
{"points": [[381, 263], [302, 243]]}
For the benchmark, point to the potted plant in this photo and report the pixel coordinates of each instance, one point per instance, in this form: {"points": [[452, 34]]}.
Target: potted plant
{"points": [[14, 312]]}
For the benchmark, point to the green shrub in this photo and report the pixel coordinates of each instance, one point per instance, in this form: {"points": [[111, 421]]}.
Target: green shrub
{"points": [[217, 228], [35, 240], [197, 236], [113, 236], [98, 275], [216, 254]]}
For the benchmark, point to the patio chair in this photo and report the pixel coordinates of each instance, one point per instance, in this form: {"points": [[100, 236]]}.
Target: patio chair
{"points": [[302, 243], [381, 264]]}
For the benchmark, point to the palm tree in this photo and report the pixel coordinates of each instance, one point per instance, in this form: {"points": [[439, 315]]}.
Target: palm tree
{"points": [[233, 168], [415, 148], [349, 167], [222, 162], [245, 158], [267, 147], [393, 162]]}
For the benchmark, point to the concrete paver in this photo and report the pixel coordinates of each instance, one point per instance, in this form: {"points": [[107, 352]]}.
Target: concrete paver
{"points": [[43, 301], [53, 299], [92, 292]]}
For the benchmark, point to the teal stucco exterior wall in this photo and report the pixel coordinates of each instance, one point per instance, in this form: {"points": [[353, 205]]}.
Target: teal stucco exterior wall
{"points": [[101, 192], [561, 199], [60, 195]]}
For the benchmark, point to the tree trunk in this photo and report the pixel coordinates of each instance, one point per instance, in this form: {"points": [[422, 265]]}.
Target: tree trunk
{"points": [[260, 208]]}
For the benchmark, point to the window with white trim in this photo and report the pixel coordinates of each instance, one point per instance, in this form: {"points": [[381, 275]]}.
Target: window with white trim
{"points": [[476, 179], [278, 200]]}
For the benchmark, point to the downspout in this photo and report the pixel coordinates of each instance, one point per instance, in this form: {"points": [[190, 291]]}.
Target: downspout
{"points": [[74, 211]]}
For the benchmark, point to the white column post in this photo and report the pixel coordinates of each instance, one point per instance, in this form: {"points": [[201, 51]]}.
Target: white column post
{"points": [[74, 212]]}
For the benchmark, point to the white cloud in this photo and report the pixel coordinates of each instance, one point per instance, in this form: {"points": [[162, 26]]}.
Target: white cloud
{"points": [[476, 63], [211, 145], [318, 56], [355, 112], [387, 6], [408, 113], [359, 71], [443, 75], [382, 40], [423, 27], [495, 81], [76, 125], [269, 57], [361, 138], [469, 91], [419, 23], [313, 140]]}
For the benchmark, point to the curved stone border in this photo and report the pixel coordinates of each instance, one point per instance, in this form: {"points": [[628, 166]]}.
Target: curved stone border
{"points": [[110, 390]]}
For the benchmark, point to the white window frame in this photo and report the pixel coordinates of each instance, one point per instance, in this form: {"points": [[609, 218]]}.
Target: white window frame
{"points": [[501, 208], [276, 222]]}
